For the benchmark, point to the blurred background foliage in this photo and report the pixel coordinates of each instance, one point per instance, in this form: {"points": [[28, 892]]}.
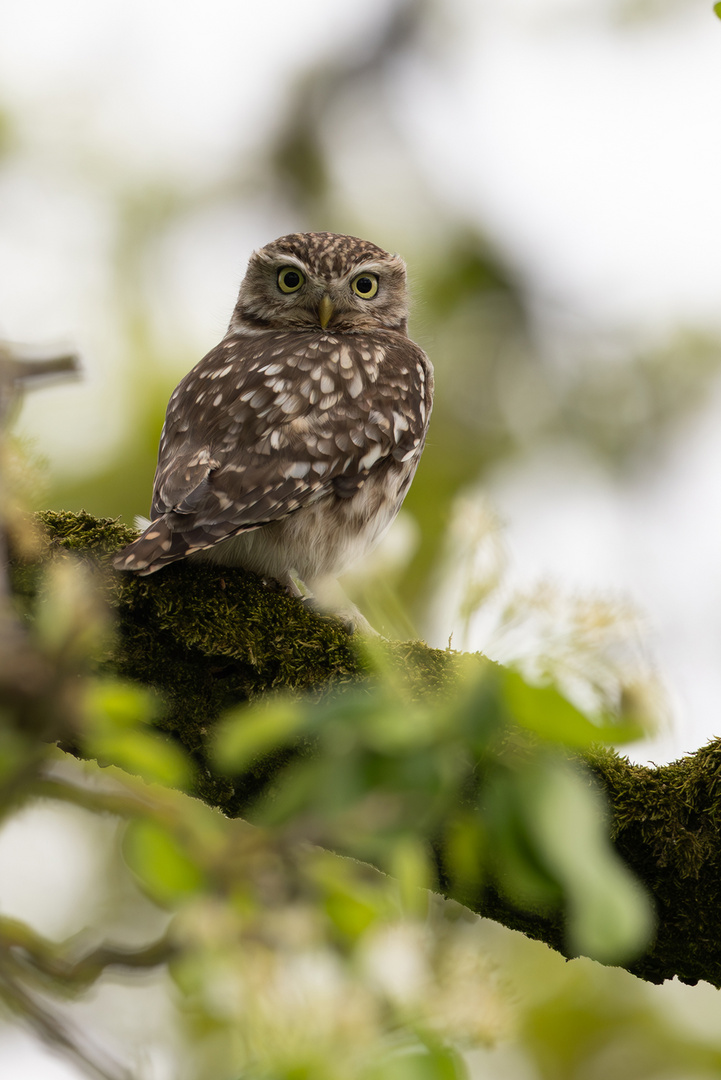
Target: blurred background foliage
{"points": [[504, 382], [251, 952]]}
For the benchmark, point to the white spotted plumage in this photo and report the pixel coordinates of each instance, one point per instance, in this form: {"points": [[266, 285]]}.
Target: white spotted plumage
{"points": [[290, 447]]}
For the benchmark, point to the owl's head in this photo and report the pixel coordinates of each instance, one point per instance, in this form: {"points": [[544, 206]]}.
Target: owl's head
{"points": [[314, 281]]}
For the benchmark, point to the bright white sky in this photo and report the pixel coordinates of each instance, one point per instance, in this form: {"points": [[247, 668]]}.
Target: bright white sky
{"points": [[592, 154]]}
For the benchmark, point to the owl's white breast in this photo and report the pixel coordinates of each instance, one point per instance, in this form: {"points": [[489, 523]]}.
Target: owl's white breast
{"points": [[322, 539]]}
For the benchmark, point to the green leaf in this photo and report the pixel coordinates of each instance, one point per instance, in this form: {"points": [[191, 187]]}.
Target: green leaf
{"points": [[609, 916], [410, 866], [248, 733], [118, 704], [419, 1063], [513, 853], [544, 711], [351, 915], [466, 851], [167, 872], [143, 754], [717, 9]]}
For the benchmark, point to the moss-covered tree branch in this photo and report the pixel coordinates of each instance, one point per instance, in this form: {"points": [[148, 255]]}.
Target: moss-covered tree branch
{"points": [[208, 638]]}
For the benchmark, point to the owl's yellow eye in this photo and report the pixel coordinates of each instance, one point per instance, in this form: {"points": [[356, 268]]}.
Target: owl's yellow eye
{"points": [[365, 285], [290, 279]]}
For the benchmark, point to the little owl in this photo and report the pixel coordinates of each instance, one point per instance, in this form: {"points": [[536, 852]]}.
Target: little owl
{"points": [[290, 447]]}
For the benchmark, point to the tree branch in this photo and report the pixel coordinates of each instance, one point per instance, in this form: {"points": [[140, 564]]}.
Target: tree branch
{"points": [[208, 638]]}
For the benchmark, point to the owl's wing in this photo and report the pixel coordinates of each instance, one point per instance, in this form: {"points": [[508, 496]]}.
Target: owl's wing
{"points": [[264, 426]]}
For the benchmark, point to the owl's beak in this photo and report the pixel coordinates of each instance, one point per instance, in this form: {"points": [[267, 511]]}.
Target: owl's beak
{"points": [[325, 310]]}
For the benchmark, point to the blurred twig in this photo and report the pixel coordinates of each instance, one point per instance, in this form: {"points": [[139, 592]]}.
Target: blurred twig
{"points": [[23, 367], [25, 677]]}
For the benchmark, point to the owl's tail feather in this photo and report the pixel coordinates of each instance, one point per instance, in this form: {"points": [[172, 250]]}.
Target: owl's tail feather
{"points": [[159, 546]]}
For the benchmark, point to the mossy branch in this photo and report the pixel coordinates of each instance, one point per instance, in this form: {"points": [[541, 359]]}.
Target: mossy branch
{"points": [[208, 638]]}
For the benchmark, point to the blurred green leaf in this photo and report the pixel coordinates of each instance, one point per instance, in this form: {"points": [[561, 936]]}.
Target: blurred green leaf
{"points": [[141, 753], [249, 732], [164, 868], [466, 850], [112, 703], [553, 842], [116, 731], [419, 1063], [609, 915], [70, 620], [544, 711], [513, 853], [410, 865]]}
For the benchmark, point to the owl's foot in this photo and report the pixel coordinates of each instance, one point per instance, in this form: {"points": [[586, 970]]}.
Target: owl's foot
{"points": [[291, 585], [328, 599], [354, 621]]}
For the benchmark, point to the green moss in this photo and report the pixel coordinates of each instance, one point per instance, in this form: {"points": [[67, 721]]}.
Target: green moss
{"points": [[209, 637], [83, 532], [666, 825]]}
